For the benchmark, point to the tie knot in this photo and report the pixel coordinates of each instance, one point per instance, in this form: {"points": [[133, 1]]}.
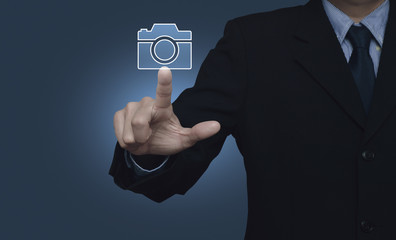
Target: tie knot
{"points": [[360, 37]]}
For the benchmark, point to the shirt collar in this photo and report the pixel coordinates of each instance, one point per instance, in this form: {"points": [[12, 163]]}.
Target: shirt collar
{"points": [[375, 21]]}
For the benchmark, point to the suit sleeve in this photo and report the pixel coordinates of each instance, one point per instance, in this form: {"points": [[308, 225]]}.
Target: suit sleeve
{"points": [[218, 94], [144, 171]]}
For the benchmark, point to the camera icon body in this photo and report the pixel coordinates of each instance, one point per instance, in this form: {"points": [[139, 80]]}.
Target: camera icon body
{"points": [[164, 45]]}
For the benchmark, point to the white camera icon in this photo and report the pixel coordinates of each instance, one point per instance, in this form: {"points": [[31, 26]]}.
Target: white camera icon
{"points": [[164, 45]]}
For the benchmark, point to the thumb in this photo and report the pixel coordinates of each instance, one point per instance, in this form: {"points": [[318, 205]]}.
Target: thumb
{"points": [[204, 130]]}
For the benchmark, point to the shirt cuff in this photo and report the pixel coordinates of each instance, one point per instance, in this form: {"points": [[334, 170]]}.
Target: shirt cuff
{"points": [[139, 171]]}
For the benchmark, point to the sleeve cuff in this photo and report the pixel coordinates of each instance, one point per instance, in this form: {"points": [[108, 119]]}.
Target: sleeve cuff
{"points": [[139, 171]]}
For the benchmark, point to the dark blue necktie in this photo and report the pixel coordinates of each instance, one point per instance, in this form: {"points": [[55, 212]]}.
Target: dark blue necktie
{"points": [[361, 63]]}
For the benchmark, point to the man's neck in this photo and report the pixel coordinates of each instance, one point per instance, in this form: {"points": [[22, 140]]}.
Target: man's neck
{"points": [[357, 9]]}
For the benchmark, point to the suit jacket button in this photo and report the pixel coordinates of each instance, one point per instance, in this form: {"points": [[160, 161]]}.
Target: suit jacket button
{"points": [[368, 155], [366, 226]]}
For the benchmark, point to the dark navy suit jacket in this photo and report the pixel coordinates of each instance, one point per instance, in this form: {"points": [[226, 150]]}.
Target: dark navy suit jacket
{"points": [[317, 166]]}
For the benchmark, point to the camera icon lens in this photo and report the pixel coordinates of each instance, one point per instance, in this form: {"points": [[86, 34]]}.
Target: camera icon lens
{"points": [[154, 50], [164, 45]]}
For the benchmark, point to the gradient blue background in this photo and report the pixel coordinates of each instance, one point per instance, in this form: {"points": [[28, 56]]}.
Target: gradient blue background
{"points": [[66, 68]]}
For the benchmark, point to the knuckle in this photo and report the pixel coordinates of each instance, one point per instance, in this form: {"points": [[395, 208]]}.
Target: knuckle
{"points": [[130, 106], [146, 99], [118, 114], [128, 140], [122, 145], [139, 122], [164, 93]]}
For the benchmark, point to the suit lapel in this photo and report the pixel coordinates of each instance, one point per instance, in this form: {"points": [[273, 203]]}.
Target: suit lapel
{"points": [[384, 97], [316, 48]]}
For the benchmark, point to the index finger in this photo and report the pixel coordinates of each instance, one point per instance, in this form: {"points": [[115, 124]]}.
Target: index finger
{"points": [[164, 88]]}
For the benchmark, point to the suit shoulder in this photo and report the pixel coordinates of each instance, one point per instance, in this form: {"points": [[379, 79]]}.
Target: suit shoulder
{"points": [[278, 15], [277, 20]]}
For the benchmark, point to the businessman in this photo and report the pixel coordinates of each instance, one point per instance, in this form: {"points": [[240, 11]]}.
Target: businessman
{"points": [[309, 93]]}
